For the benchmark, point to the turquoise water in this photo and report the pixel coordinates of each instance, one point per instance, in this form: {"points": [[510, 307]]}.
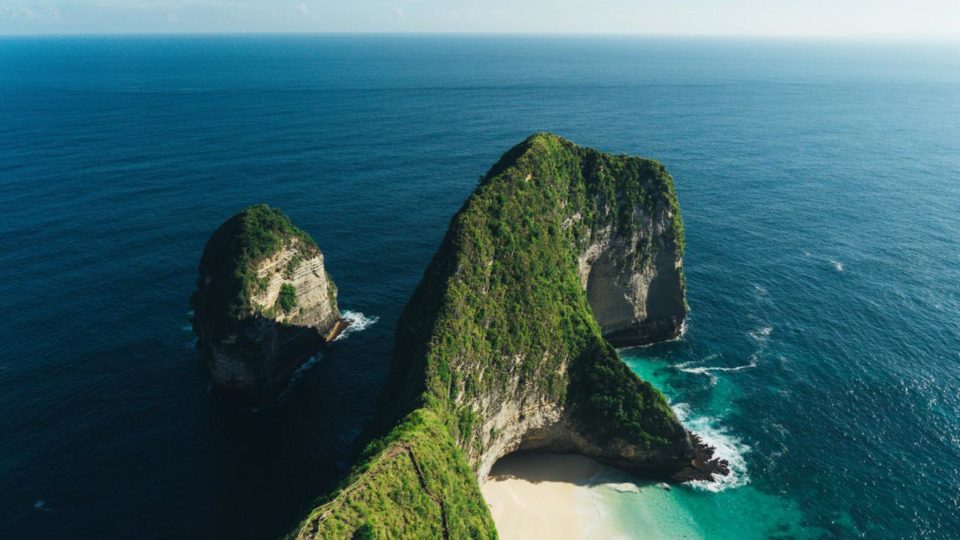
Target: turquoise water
{"points": [[732, 507], [820, 185]]}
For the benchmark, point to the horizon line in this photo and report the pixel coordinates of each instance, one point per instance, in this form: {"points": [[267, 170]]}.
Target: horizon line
{"points": [[907, 37]]}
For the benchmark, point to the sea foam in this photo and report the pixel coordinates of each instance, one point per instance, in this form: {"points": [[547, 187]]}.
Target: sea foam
{"points": [[701, 370], [726, 446], [358, 323], [293, 381], [761, 334]]}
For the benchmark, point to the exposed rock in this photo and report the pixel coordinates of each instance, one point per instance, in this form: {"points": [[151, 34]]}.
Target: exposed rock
{"points": [[627, 237], [502, 349], [264, 303], [704, 465], [637, 296]]}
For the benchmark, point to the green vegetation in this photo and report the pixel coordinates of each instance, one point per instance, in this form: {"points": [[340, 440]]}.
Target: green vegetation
{"points": [[263, 284], [412, 483], [366, 532], [287, 299], [502, 300], [292, 265], [504, 284], [231, 256]]}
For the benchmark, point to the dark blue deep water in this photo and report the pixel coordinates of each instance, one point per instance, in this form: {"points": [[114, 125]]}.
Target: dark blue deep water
{"points": [[820, 185]]}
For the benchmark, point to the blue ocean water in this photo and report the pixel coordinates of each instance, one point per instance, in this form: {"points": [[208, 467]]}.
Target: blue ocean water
{"points": [[820, 185]]}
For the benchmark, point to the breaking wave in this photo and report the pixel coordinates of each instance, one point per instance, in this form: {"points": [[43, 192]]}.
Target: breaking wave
{"points": [[293, 381], [727, 447], [358, 323], [623, 487], [837, 265], [680, 337], [298, 373], [705, 370], [761, 334], [688, 367]]}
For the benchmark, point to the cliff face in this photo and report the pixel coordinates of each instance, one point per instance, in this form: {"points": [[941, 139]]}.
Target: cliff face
{"points": [[263, 303], [637, 295], [502, 346]]}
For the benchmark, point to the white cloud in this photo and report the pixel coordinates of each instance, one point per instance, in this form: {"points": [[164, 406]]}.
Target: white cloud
{"points": [[43, 15]]}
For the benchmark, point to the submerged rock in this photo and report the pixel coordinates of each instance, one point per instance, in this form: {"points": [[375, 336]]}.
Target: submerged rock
{"points": [[264, 303]]}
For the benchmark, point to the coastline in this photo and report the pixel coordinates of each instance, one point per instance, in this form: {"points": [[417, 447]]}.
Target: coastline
{"points": [[547, 495], [567, 496]]}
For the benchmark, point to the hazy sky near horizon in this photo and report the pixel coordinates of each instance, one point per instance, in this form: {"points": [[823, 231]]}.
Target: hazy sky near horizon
{"points": [[856, 18]]}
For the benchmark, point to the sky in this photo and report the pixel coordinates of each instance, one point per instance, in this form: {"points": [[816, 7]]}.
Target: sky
{"points": [[934, 19]]}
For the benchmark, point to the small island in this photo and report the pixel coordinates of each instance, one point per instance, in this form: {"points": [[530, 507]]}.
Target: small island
{"points": [[507, 345], [264, 303]]}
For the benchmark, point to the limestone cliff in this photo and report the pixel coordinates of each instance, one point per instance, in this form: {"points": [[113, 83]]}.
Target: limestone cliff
{"points": [[263, 303], [634, 275], [502, 347]]}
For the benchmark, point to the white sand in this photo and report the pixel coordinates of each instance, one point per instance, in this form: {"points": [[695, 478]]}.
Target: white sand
{"points": [[542, 496]]}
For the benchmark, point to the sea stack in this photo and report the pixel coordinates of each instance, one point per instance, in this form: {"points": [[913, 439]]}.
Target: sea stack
{"points": [[264, 303]]}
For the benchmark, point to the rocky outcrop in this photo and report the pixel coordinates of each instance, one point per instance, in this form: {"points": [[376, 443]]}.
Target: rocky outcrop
{"points": [[637, 296], [264, 303], [621, 220], [508, 344], [531, 424]]}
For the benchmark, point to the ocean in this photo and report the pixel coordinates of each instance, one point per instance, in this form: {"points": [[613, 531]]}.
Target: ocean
{"points": [[820, 187]]}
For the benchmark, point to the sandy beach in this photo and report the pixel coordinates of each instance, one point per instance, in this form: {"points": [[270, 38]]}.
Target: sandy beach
{"points": [[542, 496]]}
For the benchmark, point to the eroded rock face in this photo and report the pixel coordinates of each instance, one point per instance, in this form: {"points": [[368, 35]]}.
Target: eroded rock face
{"points": [[264, 303], [619, 218], [537, 425], [637, 296], [631, 267], [507, 344]]}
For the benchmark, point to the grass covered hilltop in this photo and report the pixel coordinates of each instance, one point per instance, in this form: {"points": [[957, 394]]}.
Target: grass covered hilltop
{"points": [[263, 303], [502, 346]]}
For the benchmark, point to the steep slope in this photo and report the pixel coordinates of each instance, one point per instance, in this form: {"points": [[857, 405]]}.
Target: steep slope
{"points": [[500, 348], [263, 303]]}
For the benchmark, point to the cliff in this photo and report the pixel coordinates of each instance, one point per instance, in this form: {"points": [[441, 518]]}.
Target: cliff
{"points": [[502, 346], [264, 302]]}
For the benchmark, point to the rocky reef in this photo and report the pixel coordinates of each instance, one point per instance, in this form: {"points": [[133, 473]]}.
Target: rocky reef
{"points": [[264, 303], [505, 345]]}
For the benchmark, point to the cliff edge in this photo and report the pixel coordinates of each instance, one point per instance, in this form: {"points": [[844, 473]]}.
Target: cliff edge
{"points": [[506, 344], [264, 302]]}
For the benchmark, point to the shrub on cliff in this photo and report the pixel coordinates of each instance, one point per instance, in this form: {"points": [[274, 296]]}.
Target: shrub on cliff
{"points": [[287, 299], [232, 254]]}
